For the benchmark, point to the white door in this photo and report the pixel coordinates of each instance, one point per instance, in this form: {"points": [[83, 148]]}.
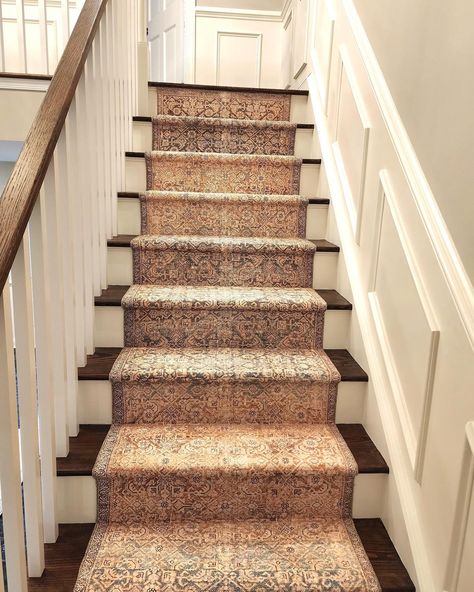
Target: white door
{"points": [[166, 40]]}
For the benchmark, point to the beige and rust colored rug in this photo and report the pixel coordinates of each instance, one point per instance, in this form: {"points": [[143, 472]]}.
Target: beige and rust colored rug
{"points": [[223, 470]]}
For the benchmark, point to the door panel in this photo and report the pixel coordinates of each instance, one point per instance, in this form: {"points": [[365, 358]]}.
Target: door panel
{"points": [[166, 40]]}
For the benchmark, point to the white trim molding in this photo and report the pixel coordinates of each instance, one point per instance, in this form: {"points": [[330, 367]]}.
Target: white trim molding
{"points": [[27, 83], [239, 13], [459, 283]]}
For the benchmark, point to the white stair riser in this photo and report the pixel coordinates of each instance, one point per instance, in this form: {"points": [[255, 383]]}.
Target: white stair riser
{"points": [[135, 176], [300, 107], [95, 402], [128, 217], [109, 332], [77, 498], [304, 145], [119, 268]]}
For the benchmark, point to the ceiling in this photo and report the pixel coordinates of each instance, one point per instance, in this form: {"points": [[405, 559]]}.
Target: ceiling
{"points": [[245, 4]]}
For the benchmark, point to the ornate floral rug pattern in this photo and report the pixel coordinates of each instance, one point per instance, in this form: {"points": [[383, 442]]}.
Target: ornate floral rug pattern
{"points": [[224, 470]]}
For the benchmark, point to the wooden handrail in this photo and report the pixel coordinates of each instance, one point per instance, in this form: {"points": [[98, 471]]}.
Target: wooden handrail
{"points": [[24, 184]]}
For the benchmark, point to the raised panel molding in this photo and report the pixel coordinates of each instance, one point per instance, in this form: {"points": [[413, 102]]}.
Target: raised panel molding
{"points": [[458, 557], [257, 37], [353, 185], [415, 435], [321, 52]]}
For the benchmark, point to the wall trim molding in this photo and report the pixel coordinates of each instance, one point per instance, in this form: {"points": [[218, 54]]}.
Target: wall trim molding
{"points": [[457, 279], [27, 84], [239, 13], [463, 510], [257, 36], [401, 466]]}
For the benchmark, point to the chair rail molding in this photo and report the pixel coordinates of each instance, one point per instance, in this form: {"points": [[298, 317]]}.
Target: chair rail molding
{"points": [[411, 292]]}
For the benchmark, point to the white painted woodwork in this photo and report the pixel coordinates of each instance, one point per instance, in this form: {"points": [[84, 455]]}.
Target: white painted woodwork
{"points": [[78, 495], [316, 221], [10, 478], [27, 400], [136, 176], [57, 361], [46, 399], [300, 40], [119, 268], [411, 297], [166, 40]]}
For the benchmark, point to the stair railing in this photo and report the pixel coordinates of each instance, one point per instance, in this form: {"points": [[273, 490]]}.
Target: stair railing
{"points": [[56, 213]]}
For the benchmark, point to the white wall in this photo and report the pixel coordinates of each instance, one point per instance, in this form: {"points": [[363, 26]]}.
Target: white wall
{"points": [[426, 51], [245, 4], [412, 297], [237, 48], [5, 170]]}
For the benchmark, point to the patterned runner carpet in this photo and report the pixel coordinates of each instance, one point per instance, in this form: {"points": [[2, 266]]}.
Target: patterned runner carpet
{"points": [[223, 469]]}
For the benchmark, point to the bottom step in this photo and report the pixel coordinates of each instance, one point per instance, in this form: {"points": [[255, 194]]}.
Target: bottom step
{"points": [[64, 557]]}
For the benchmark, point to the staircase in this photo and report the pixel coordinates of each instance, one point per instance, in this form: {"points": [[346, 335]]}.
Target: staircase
{"points": [[224, 467]]}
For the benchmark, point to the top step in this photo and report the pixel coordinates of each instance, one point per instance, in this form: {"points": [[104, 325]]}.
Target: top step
{"points": [[223, 102], [246, 89]]}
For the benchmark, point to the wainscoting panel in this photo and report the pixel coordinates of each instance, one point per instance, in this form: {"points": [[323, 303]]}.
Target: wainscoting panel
{"points": [[322, 47], [351, 140], [405, 323], [239, 59]]}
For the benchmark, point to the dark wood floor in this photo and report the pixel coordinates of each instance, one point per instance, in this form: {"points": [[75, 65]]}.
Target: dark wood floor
{"points": [[64, 557]]}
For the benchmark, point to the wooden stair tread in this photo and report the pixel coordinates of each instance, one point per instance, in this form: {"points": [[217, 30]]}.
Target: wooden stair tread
{"points": [[148, 119], [347, 367], [112, 296], [64, 557], [133, 154], [100, 363], [274, 91], [136, 195], [123, 240], [85, 447]]}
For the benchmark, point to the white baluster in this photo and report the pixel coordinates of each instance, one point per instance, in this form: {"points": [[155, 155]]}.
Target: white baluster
{"points": [[10, 455], [26, 377], [91, 153], [75, 219], [118, 54], [43, 25], [64, 23], [2, 53], [44, 361], [55, 280], [85, 201], [112, 113], [105, 130], [63, 206], [20, 20]]}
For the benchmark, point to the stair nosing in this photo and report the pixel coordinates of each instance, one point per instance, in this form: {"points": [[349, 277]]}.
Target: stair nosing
{"points": [[274, 91], [149, 119], [116, 300], [322, 245], [136, 195], [381, 468], [307, 161], [334, 355]]}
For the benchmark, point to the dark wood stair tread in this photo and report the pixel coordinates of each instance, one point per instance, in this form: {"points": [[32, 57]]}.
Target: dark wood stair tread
{"points": [[148, 119], [136, 195], [112, 296], [274, 91], [64, 557], [84, 448], [123, 240], [133, 154], [100, 363], [347, 367]]}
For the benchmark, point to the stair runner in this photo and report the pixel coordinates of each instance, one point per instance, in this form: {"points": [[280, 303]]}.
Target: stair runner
{"points": [[223, 469]]}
